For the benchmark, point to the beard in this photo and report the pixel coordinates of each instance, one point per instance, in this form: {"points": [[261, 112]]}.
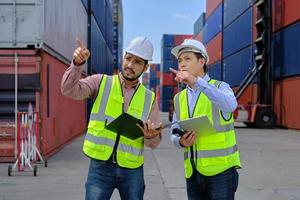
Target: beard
{"points": [[131, 78]]}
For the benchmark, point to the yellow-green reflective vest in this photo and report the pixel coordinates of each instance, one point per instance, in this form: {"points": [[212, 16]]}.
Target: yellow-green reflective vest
{"points": [[211, 153], [99, 142]]}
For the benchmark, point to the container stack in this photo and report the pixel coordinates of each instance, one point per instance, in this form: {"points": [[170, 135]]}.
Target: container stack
{"points": [[198, 27], [39, 48], [230, 37], [168, 86]]}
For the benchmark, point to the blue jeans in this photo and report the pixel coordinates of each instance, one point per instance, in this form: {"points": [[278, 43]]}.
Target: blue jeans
{"points": [[104, 177], [219, 187]]}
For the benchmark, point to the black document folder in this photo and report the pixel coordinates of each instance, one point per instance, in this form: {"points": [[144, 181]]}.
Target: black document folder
{"points": [[125, 125]]}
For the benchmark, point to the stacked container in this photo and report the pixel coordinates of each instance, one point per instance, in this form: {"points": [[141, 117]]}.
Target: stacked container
{"points": [[40, 45], [168, 86], [198, 27], [233, 57]]}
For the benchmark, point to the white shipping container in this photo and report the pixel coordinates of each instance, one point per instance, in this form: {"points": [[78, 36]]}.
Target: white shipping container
{"points": [[52, 25]]}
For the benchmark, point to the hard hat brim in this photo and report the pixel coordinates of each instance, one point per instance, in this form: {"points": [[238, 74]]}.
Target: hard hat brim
{"points": [[138, 55], [176, 50]]}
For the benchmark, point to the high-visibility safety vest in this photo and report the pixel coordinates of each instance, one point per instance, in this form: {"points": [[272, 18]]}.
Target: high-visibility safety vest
{"points": [[99, 142], [211, 153]]}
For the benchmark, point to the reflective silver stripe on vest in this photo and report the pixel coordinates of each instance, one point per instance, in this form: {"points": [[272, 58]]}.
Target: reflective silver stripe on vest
{"points": [[130, 149], [176, 105], [147, 105], [108, 142], [216, 116], [99, 140], [213, 153], [100, 116]]}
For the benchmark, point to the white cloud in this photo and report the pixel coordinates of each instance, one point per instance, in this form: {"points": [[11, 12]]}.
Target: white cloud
{"points": [[183, 17]]}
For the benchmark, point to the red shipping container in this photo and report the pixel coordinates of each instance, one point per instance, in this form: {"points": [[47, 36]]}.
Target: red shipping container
{"points": [[211, 5], [284, 13], [214, 49], [199, 37], [167, 79], [62, 119], [180, 38], [286, 102], [254, 11]]}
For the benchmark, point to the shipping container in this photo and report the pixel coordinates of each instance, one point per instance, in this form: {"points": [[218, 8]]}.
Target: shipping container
{"points": [[43, 25], [199, 37], [286, 102], [167, 40], [214, 49], [165, 104], [237, 66], [213, 25], [40, 76], [167, 64], [286, 51], [211, 5], [249, 96], [238, 35], [166, 53], [99, 12], [167, 79], [178, 39], [233, 9], [199, 24], [214, 71], [285, 12]]}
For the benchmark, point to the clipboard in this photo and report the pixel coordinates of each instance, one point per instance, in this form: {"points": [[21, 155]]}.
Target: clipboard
{"points": [[201, 125], [125, 125]]}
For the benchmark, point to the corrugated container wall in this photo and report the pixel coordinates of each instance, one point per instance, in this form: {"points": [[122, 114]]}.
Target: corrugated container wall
{"points": [[214, 49], [43, 25], [237, 66], [211, 5], [285, 12], [199, 24], [233, 9], [238, 35], [213, 24], [214, 71], [286, 51]]}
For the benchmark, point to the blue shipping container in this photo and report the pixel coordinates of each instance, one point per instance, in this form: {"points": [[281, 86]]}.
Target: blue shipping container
{"points": [[286, 51], [214, 71], [166, 92], [234, 8], [84, 2], [237, 66], [165, 105], [109, 28], [99, 11], [238, 35], [167, 64], [168, 40], [199, 24], [213, 25], [166, 53], [98, 49]]}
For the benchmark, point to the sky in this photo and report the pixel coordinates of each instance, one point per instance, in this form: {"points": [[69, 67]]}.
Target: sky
{"points": [[153, 18]]}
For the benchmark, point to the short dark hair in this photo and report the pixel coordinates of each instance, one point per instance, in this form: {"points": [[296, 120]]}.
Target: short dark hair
{"points": [[199, 56]]}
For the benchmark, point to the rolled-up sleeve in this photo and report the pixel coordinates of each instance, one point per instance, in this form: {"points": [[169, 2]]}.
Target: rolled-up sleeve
{"points": [[76, 88]]}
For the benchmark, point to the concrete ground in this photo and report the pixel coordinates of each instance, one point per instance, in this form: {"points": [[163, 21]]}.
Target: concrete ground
{"points": [[270, 159]]}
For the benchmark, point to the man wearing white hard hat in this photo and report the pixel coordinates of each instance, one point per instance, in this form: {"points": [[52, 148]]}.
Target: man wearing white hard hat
{"points": [[116, 161], [210, 159]]}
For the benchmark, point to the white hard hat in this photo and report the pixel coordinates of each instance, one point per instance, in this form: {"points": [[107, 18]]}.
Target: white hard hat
{"points": [[141, 47], [190, 45]]}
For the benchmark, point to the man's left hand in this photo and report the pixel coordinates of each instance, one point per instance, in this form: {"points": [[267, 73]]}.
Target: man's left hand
{"points": [[150, 129]]}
